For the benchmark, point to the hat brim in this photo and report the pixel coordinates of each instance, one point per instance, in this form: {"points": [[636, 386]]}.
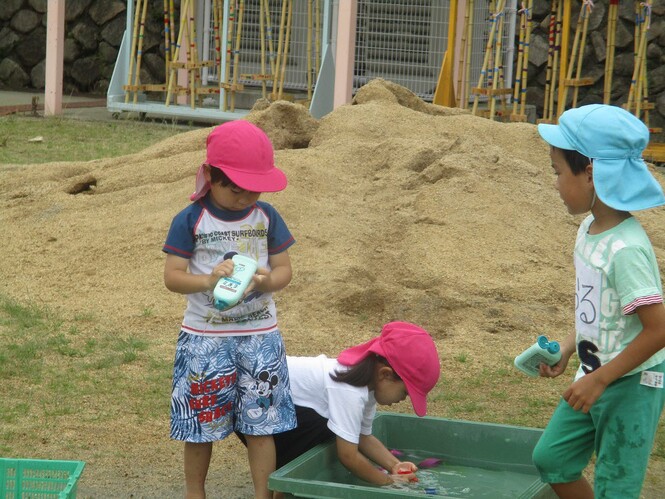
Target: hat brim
{"points": [[553, 136], [272, 181], [418, 399]]}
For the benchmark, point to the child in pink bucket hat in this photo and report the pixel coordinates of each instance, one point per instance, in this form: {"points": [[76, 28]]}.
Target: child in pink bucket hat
{"points": [[336, 399], [230, 372], [245, 154]]}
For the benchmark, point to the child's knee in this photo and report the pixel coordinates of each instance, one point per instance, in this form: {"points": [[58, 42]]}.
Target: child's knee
{"points": [[543, 459]]}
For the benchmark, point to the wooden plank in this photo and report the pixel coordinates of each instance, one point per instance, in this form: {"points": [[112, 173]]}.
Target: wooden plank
{"points": [[492, 91], [578, 82]]}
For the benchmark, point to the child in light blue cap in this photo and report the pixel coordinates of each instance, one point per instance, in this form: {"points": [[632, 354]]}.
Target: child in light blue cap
{"points": [[613, 406]]}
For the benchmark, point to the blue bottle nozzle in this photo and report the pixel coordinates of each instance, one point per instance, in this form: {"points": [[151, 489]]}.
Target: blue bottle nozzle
{"points": [[550, 346]]}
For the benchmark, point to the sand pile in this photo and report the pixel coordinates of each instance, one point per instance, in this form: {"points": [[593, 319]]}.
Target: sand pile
{"points": [[401, 211]]}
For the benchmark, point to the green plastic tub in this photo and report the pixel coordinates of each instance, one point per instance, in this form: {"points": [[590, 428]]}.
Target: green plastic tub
{"points": [[478, 460], [39, 478]]}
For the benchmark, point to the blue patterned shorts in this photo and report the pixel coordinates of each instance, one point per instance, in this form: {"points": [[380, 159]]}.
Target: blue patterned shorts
{"points": [[230, 383]]}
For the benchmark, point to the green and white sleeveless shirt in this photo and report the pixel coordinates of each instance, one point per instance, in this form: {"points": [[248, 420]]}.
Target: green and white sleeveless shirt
{"points": [[616, 272]]}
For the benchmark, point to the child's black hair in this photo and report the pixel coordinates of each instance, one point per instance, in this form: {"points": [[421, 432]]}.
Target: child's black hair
{"points": [[362, 373], [577, 161], [217, 176]]}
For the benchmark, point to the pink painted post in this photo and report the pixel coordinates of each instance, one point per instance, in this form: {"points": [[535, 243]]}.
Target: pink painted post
{"points": [[182, 75], [344, 52], [55, 43], [461, 8]]}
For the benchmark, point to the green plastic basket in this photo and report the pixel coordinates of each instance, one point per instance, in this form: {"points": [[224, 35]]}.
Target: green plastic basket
{"points": [[39, 478]]}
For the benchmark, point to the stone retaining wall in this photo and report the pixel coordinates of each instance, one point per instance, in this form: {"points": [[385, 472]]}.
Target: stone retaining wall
{"points": [[95, 28], [94, 31]]}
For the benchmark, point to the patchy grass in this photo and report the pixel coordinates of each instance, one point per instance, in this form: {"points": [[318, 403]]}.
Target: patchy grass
{"points": [[73, 140], [54, 366]]}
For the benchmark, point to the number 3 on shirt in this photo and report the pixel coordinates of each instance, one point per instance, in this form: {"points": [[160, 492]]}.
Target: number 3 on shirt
{"points": [[587, 313]]}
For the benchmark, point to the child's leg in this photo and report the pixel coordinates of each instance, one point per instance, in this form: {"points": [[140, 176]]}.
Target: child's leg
{"points": [[264, 406], [579, 489], [564, 450], [197, 461], [262, 456], [627, 421]]}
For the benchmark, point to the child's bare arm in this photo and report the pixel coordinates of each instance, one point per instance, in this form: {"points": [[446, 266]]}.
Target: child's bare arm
{"points": [[179, 280], [374, 450], [584, 392], [354, 461], [278, 277]]}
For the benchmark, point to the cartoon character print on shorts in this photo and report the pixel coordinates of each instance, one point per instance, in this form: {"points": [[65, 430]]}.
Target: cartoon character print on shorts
{"points": [[257, 411]]}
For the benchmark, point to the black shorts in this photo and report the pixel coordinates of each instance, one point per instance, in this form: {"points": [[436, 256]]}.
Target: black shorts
{"points": [[311, 431]]}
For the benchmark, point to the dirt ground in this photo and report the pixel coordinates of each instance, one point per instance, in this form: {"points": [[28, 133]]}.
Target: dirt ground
{"points": [[401, 211]]}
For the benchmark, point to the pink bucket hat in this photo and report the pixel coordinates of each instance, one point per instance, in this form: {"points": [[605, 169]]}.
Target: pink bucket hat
{"points": [[410, 351], [245, 154]]}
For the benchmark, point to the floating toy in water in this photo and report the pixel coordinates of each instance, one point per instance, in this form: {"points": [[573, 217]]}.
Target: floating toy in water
{"points": [[396, 453], [407, 472], [430, 462]]}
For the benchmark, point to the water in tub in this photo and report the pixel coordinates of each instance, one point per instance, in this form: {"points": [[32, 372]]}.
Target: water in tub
{"points": [[452, 478]]}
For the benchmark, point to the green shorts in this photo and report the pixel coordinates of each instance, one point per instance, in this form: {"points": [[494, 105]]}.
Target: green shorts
{"points": [[620, 427]]}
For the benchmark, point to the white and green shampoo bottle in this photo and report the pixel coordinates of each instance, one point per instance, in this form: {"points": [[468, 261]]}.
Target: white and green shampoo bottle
{"points": [[542, 351], [229, 290]]}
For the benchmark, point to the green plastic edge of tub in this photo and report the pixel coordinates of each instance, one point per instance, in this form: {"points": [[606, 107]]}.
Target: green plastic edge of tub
{"points": [[283, 481], [68, 491]]}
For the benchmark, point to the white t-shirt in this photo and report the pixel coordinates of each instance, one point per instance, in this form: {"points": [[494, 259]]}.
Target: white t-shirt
{"points": [[616, 272], [349, 409]]}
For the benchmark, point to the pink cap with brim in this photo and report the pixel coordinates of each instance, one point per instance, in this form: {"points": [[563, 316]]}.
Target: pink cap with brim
{"points": [[245, 154], [410, 351]]}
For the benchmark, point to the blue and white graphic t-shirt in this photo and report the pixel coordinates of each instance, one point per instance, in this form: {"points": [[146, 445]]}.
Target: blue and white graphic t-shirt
{"points": [[206, 236], [616, 272]]}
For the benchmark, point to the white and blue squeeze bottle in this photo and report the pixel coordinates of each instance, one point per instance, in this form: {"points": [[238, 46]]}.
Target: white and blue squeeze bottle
{"points": [[229, 289], [542, 351]]}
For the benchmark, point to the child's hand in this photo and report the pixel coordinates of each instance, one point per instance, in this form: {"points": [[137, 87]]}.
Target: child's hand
{"points": [[553, 371], [558, 368], [582, 394], [223, 269], [260, 280], [404, 471]]}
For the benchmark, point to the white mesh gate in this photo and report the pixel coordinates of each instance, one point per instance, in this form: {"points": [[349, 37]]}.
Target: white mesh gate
{"points": [[304, 41], [401, 40], [404, 41]]}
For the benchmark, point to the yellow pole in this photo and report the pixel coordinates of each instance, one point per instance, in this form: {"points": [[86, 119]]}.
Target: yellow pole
{"points": [[176, 53], [309, 50], [236, 55], [285, 51], [488, 52], [132, 52], [280, 43], [229, 49], [139, 52], [525, 60], [520, 56], [609, 50], [638, 73], [263, 46], [563, 65], [497, 66], [462, 75], [317, 41]]}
